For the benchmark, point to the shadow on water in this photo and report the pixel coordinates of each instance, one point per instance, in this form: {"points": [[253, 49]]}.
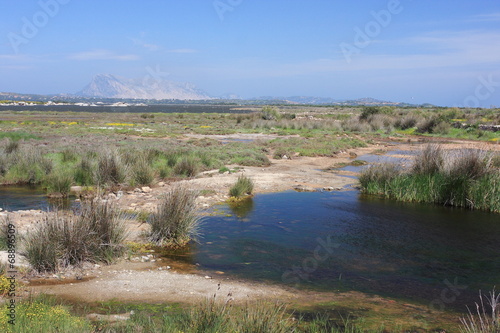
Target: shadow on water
{"points": [[349, 241]]}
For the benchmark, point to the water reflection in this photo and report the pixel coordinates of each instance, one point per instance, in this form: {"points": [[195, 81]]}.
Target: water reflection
{"points": [[242, 207]]}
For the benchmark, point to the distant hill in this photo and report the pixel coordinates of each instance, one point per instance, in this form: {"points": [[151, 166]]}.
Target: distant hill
{"points": [[111, 86]]}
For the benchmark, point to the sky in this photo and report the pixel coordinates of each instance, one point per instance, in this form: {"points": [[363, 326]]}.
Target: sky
{"points": [[444, 52]]}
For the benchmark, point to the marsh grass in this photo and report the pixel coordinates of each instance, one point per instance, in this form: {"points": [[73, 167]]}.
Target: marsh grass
{"points": [[486, 318], [187, 166], [59, 182], [60, 240], [463, 178], [176, 220], [142, 172], [110, 168], [243, 186]]}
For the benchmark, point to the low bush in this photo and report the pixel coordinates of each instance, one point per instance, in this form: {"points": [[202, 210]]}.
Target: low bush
{"points": [[188, 166], [142, 172], [176, 220], [110, 169], [58, 182], [243, 186], [97, 234]]}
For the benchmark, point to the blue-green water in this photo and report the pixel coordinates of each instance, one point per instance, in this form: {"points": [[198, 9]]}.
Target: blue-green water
{"points": [[25, 198], [348, 241]]}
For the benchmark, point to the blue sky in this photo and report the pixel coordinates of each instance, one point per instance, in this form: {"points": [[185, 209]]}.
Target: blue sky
{"points": [[441, 52]]}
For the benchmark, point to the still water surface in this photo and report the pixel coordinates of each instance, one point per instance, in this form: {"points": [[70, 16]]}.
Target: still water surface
{"points": [[364, 243]]}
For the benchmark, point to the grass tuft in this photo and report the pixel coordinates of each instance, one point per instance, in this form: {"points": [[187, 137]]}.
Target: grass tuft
{"points": [[176, 220], [243, 186]]}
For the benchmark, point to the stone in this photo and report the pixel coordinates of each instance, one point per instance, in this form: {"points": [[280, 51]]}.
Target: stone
{"points": [[146, 189], [328, 188], [303, 188], [76, 189], [161, 184], [137, 190]]}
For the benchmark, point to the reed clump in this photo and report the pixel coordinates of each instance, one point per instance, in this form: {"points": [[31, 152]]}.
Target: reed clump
{"points": [[461, 178], [60, 240], [243, 186], [176, 220]]}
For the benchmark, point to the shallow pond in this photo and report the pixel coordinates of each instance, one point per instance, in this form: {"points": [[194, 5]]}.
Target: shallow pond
{"points": [[26, 198], [348, 241]]}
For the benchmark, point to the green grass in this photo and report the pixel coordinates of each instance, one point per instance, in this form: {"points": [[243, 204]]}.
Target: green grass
{"points": [[18, 135], [42, 315], [243, 186], [464, 179]]}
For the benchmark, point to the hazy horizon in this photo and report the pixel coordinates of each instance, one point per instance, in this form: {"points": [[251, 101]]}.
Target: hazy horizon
{"points": [[444, 53]]}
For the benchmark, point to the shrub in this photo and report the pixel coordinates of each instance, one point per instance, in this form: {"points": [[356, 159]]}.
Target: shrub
{"points": [[369, 111], [176, 220], [407, 122], [430, 161], [270, 113], [442, 128], [84, 172], [427, 125], [243, 186], [42, 247], [59, 182], [97, 234], [11, 146], [188, 166], [110, 169], [4, 233], [469, 163], [142, 173]]}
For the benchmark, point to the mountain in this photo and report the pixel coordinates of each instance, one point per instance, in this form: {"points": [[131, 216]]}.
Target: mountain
{"points": [[111, 86]]}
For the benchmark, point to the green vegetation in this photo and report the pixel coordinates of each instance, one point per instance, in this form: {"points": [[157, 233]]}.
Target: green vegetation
{"points": [[57, 241], [176, 220], [243, 186], [40, 314], [464, 178]]}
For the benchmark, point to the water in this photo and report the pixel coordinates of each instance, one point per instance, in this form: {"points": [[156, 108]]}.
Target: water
{"points": [[25, 198], [168, 108], [372, 159], [410, 251]]}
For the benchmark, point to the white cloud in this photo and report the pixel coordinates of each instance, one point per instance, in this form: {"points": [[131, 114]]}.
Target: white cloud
{"points": [[103, 55]]}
